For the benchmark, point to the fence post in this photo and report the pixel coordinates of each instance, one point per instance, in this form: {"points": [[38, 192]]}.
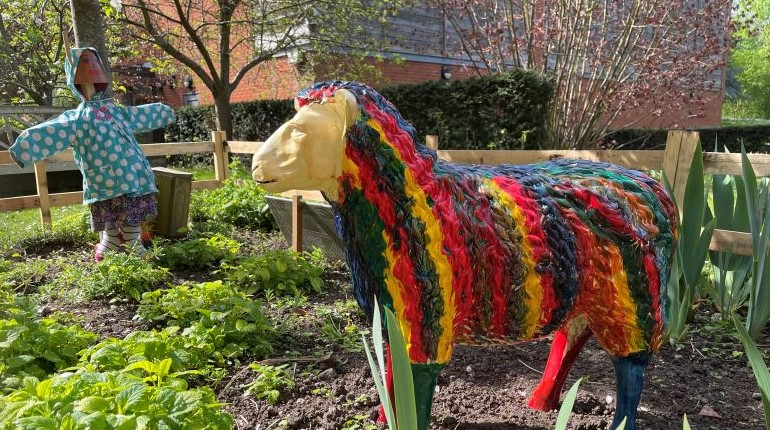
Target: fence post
{"points": [[431, 141], [677, 158], [296, 223], [41, 183], [221, 169]]}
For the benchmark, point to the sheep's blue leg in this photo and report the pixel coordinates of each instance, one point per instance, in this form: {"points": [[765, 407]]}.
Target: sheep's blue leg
{"points": [[424, 376], [629, 378]]}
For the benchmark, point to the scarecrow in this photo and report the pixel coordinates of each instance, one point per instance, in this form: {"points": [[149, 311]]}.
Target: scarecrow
{"points": [[118, 182]]}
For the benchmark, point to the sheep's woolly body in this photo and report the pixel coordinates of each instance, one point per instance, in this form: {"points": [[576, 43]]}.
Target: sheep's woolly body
{"points": [[498, 253]]}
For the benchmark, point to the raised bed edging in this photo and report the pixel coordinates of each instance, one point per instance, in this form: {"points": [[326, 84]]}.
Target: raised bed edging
{"points": [[317, 225]]}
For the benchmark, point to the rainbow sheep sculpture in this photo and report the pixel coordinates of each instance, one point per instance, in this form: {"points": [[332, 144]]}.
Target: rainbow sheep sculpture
{"points": [[483, 254]]}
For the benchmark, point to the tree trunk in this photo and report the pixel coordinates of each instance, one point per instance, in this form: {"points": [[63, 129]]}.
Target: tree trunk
{"points": [[89, 29], [224, 113]]}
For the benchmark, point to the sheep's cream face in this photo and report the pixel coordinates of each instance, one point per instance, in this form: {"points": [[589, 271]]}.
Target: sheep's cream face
{"points": [[306, 152]]}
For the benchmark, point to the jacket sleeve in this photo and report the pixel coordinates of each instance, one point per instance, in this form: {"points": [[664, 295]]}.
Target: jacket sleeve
{"points": [[43, 140], [149, 117]]}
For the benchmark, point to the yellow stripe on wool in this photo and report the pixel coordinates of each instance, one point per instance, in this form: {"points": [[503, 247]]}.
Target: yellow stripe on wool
{"points": [[533, 297], [351, 169], [422, 211], [394, 286], [626, 306]]}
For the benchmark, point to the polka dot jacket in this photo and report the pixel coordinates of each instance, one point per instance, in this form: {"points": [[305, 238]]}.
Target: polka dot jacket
{"points": [[102, 137]]}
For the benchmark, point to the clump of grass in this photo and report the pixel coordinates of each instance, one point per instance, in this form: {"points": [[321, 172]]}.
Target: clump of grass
{"points": [[22, 231]]}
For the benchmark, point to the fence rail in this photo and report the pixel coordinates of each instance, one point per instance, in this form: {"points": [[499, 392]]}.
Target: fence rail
{"points": [[674, 161]]}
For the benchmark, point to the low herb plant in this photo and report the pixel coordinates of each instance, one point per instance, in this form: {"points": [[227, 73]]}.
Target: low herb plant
{"points": [[34, 346], [189, 357], [338, 325], [270, 382], [239, 202], [125, 274], [118, 400], [198, 253], [277, 273], [211, 307]]}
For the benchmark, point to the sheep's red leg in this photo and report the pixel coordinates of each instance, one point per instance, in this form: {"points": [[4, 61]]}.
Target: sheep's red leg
{"points": [[567, 343], [382, 418]]}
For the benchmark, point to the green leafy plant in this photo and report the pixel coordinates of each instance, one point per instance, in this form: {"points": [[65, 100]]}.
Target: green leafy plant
{"points": [[190, 355], [71, 228], [214, 307], [729, 290], [566, 407], [695, 232], [125, 274], [34, 346], [198, 253], [338, 325], [117, 400], [239, 202], [402, 415], [758, 366], [758, 202], [270, 382], [278, 272], [25, 275]]}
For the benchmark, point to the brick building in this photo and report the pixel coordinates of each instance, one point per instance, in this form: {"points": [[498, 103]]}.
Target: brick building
{"points": [[420, 38]]}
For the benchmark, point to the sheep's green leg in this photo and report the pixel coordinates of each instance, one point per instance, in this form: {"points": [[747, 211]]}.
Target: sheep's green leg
{"points": [[424, 376]]}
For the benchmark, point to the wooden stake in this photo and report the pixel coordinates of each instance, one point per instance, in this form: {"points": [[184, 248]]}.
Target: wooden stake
{"points": [[66, 40], [677, 158], [220, 156], [431, 141], [41, 180]]}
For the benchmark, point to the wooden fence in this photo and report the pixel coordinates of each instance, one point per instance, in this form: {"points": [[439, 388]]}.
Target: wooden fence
{"points": [[674, 161]]}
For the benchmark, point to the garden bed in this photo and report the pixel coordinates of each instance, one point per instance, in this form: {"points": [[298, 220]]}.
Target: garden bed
{"points": [[276, 339], [705, 377]]}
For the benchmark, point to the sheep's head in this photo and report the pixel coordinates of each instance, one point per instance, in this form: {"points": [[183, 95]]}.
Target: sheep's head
{"points": [[306, 152]]}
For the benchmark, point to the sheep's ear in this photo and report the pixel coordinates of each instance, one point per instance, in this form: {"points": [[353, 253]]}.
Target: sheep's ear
{"points": [[296, 104], [347, 105]]}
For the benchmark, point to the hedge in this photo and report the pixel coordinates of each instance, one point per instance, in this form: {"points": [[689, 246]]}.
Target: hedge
{"points": [[502, 111], [252, 121], [756, 138]]}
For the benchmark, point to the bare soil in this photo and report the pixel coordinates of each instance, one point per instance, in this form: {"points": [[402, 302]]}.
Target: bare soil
{"points": [[705, 377]]}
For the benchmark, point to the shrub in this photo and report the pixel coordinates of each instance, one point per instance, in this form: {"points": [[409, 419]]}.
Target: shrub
{"points": [[278, 272], [253, 121], [499, 111]]}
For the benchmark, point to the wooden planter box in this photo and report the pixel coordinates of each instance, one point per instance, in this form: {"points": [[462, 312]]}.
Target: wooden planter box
{"points": [[317, 225]]}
